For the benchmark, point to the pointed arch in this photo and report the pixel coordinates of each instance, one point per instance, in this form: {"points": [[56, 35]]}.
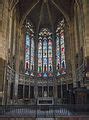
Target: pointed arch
{"points": [[28, 12], [62, 11]]}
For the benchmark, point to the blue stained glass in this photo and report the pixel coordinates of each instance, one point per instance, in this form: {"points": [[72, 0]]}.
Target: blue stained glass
{"points": [[58, 73], [32, 54], [63, 65], [50, 56], [45, 55], [40, 57], [29, 52], [45, 52], [45, 74], [57, 53], [60, 50]]}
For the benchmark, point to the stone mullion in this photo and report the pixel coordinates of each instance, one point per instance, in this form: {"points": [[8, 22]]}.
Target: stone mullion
{"points": [[30, 52], [47, 59], [54, 55], [42, 57], [36, 64], [54, 66], [47, 66], [23, 33]]}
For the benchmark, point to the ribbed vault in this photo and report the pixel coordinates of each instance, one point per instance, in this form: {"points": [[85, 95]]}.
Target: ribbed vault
{"points": [[44, 12]]}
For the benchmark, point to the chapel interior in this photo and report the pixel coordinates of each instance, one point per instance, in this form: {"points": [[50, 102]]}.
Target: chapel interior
{"points": [[44, 52]]}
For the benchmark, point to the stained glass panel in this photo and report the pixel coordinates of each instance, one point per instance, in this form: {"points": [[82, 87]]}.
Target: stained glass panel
{"points": [[60, 49], [40, 57], [27, 54], [32, 54], [58, 53], [50, 56], [45, 54], [29, 50], [63, 65]]}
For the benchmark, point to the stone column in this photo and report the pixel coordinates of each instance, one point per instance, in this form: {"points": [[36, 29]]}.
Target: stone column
{"points": [[17, 53], [68, 54], [72, 51]]}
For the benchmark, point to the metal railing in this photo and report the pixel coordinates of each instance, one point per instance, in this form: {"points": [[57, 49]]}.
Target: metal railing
{"points": [[44, 111]]}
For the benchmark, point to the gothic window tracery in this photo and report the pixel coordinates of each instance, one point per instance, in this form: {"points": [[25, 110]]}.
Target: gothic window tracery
{"points": [[45, 51], [45, 67], [29, 50], [60, 49]]}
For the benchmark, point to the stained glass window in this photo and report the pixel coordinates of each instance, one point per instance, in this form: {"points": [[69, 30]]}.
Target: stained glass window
{"points": [[40, 57], [45, 60], [50, 67], [45, 55], [60, 49], [45, 67], [27, 54], [29, 50]]}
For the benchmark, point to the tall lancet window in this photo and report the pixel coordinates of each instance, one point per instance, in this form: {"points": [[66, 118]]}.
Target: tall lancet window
{"points": [[29, 50], [60, 49], [45, 67]]}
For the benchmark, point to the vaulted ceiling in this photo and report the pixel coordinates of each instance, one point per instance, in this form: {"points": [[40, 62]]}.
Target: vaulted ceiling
{"points": [[44, 13]]}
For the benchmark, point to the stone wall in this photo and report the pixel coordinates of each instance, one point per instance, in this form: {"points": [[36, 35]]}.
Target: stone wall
{"points": [[3, 41]]}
